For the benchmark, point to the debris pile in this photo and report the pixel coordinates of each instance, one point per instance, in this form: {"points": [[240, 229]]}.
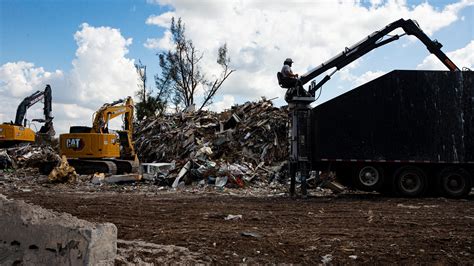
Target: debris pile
{"points": [[5, 160], [30, 156], [248, 142]]}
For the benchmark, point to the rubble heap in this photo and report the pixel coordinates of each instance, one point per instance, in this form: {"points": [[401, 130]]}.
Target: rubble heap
{"points": [[248, 140], [29, 156]]}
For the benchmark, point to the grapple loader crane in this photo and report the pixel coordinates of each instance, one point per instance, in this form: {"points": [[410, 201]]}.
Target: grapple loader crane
{"points": [[99, 149], [371, 42]]}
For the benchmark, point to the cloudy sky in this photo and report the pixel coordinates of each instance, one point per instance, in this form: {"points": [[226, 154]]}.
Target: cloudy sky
{"points": [[87, 49]]}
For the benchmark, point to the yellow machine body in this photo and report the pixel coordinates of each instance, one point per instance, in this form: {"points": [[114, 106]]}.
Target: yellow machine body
{"points": [[13, 133], [90, 145]]}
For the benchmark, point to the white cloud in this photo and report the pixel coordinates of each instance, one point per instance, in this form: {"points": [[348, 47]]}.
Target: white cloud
{"points": [[159, 43], [101, 73], [357, 80], [18, 79], [163, 20], [366, 77], [225, 103], [463, 57], [152, 43], [375, 3], [425, 12], [260, 35]]}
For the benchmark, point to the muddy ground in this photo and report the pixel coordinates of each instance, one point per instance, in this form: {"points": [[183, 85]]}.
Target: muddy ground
{"points": [[273, 228]]}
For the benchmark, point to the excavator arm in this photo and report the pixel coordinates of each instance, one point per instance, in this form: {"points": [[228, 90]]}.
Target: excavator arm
{"points": [[32, 100], [375, 40], [112, 110]]}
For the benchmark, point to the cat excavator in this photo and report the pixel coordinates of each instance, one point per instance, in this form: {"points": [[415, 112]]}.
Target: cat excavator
{"points": [[17, 132], [98, 149]]}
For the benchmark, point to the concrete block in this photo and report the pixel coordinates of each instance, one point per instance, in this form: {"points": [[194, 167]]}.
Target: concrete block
{"points": [[31, 235]]}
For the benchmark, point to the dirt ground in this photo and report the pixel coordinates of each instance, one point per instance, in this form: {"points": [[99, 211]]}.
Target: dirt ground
{"points": [[347, 228]]}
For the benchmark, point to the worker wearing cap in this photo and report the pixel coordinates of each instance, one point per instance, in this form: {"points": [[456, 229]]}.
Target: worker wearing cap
{"points": [[290, 80], [286, 69]]}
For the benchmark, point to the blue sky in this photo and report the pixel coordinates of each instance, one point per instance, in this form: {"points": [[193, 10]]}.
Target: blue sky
{"points": [[42, 31], [89, 64]]}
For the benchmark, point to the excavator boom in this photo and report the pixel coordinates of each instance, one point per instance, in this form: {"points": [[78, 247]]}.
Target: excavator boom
{"points": [[32, 100], [110, 111]]}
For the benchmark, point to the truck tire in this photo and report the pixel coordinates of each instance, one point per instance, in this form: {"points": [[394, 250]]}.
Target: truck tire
{"points": [[368, 178], [454, 182], [410, 181]]}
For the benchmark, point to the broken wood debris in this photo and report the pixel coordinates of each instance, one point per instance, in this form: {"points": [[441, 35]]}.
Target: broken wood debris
{"points": [[29, 156], [63, 172], [234, 147]]}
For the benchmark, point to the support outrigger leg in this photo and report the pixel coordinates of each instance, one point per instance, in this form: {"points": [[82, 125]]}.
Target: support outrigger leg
{"points": [[299, 161]]}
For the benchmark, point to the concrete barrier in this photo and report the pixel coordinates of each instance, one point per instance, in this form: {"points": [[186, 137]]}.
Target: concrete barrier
{"points": [[31, 235]]}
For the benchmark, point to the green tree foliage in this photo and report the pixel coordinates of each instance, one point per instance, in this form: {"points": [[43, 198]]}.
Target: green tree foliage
{"points": [[149, 105]]}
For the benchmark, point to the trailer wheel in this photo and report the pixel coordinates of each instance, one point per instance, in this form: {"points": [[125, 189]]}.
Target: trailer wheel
{"points": [[410, 181], [369, 178], [454, 182]]}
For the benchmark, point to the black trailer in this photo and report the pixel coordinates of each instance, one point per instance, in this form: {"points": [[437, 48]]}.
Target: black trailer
{"points": [[408, 132]]}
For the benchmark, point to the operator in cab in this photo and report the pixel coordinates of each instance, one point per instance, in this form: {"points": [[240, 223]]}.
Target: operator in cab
{"points": [[290, 80], [287, 73]]}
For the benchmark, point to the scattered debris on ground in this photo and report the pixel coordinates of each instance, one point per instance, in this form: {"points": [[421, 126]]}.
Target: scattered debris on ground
{"points": [[29, 156], [245, 146], [362, 228], [144, 253]]}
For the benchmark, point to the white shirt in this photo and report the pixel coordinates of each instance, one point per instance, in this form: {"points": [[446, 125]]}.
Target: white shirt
{"points": [[286, 71]]}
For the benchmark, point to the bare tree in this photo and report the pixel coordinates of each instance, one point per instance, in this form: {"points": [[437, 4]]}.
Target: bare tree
{"points": [[223, 60], [181, 74]]}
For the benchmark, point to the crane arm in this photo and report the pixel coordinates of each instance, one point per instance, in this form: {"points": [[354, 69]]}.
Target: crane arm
{"points": [[371, 42]]}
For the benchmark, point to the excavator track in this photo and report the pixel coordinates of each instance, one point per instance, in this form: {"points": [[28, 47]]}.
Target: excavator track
{"points": [[126, 166], [107, 166], [89, 167]]}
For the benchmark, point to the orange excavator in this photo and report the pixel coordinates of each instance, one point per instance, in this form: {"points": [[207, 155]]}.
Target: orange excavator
{"points": [[98, 149], [17, 132]]}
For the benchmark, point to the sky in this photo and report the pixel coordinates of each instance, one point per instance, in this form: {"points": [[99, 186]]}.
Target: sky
{"points": [[87, 49]]}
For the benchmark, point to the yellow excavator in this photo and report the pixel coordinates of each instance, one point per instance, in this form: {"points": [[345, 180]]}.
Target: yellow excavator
{"points": [[17, 132], [98, 149]]}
